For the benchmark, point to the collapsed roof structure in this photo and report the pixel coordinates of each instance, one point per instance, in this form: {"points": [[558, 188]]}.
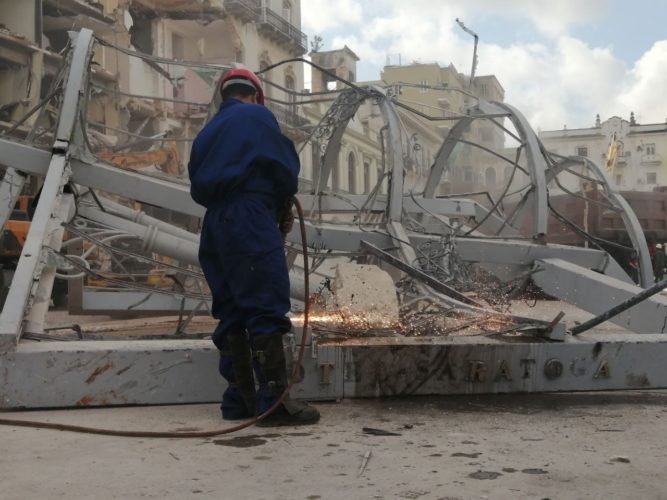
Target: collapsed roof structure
{"points": [[455, 262]]}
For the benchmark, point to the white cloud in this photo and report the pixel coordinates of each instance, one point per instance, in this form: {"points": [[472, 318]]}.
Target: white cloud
{"points": [[548, 16], [321, 15], [645, 92], [555, 81], [568, 83]]}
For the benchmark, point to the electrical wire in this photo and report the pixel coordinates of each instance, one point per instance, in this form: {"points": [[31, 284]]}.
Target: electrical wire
{"points": [[128, 253], [296, 372], [500, 199], [162, 60], [366, 91]]}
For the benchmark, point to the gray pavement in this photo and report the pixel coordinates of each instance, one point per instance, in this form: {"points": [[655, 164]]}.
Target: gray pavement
{"points": [[586, 445]]}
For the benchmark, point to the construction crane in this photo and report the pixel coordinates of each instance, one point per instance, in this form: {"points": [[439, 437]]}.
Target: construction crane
{"points": [[612, 155]]}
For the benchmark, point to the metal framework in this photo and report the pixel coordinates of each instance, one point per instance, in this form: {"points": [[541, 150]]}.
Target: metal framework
{"points": [[433, 241]]}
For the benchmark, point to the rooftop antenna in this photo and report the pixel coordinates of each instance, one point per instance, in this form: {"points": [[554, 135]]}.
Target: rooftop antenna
{"points": [[474, 53]]}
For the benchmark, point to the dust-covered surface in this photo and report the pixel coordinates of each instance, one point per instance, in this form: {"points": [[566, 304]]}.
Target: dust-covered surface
{"points": [[95, 327], [610, 445]]}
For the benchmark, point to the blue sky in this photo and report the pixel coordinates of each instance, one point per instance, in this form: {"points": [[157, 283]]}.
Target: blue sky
{"points": [[560, 61]]}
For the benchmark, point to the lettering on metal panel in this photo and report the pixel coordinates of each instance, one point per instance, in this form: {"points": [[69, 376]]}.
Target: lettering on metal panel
{"points": [[409, 371], [527, 367], [553, 369], [326, 369], [603, 370], [503, 372], [476, 371]]}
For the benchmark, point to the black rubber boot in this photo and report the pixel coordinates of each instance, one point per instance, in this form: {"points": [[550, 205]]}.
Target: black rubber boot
{"points": [[239, 348], [271, 360]]}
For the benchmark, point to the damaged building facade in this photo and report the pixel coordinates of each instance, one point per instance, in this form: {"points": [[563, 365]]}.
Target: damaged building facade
{"points": [[130, 94], [136, 97], [439, 95]]}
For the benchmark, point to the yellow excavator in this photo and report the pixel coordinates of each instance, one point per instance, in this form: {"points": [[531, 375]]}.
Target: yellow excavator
{"points": [[15, 232]]}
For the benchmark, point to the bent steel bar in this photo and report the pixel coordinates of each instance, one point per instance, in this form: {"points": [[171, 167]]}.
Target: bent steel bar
{"points": [[630, 221], [330, 132], [538, 201], [394, 156], [597, 293]]}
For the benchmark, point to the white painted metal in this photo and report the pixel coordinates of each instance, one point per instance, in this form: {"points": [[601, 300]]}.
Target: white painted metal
{"points": [[153, 239], [597, 293], [27, 274], [32, 257], [10, 188], [36, 318], [101, 373]]}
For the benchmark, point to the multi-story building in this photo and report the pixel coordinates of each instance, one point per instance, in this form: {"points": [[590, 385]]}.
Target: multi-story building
{"points": [[129, 92], [641, 156], [444, 92], [431, 90]]}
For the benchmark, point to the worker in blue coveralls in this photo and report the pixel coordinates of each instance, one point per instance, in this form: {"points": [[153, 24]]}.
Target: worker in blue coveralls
{"points": [[244, 171]]}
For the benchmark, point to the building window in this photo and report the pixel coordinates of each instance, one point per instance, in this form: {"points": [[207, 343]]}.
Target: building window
{"points": [[291, 97], [423, 86], [490, 177], [582, 151], [352, 173], [486, 134], [651, 178], [335, 178], [367, 177], [467, 174], [483, 90], [619, 179], [263, 64], [650, 149], [177, 46]]}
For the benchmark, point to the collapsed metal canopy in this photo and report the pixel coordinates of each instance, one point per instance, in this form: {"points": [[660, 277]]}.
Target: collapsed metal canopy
{"points": [[428, 242]]}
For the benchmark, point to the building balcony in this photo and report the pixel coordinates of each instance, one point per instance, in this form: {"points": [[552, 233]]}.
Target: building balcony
{"points": [[651, 160], [68, 8], [179, 10], [287, 116], [246, 10], [282, 31]]}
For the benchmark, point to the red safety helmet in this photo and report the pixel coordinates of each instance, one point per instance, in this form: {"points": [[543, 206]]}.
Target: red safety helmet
{"points": [[243, 76]]}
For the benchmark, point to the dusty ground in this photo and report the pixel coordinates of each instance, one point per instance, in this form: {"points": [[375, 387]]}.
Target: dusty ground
{"points": [[610, 445]]}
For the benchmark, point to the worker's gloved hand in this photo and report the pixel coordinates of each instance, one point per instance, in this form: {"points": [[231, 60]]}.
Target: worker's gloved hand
{"points": [[286, 222]]}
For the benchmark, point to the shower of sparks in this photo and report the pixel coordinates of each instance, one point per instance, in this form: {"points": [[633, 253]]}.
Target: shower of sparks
{"points": [[449, 323]]}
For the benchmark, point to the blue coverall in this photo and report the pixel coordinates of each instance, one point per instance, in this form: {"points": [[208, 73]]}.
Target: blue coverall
{"points": [[243, 170]]}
